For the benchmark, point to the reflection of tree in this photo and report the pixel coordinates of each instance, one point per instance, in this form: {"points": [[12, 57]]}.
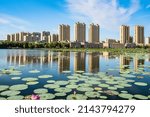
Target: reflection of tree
{"points": [[125, 62]]}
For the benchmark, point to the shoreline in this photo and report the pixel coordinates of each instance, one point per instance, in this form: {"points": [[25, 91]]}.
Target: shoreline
{"points": [[116, 50]]}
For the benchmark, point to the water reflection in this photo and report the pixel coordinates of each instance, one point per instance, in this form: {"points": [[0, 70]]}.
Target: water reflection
{"points": [[78, 60]]}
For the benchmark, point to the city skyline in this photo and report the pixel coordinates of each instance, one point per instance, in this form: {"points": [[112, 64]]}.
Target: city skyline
{"points": [[48, 14]]}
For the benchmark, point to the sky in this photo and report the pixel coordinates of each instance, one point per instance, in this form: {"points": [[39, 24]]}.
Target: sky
{"points": [[46, 15]]}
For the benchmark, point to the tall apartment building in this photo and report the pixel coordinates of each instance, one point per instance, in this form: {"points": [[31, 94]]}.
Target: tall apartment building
{"points": [[94, 33], [45, 35], [139, 35], [54, 37], [8, 38], [17, 36], [64, 32], [124, 34], [13, 38], [21, 36], [80, 32]]}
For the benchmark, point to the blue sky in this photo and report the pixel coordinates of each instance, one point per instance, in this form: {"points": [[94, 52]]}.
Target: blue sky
{"points": [[39, 15]]}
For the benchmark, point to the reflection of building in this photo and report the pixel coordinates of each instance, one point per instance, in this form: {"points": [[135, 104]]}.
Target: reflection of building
{"points": [[22, 58], [64, 32], [139, 35], [63, 61], [80, 32], [79, 61], [124, 34], [124, 60], [137, 62], [94, 33], [93, 62]]}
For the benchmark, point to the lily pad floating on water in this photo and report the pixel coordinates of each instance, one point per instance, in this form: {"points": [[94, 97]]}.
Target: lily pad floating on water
{"points": [[124, 91], [51, 86], [85, 89], [104, 85], [66, 72], [15, 74], [72, 86], [141, 97], [34, 71], [17, 97], [80, 71], [103, 97], [112, 88], [60, 94], [72, 77], [51, 81], [45, 76], [40, 91], [46, 96], [88, 74], [128, 75], [76, 97], [18, 87], [3, 87], [63, 89], [61, 83], [125, 96], [97, 89], [29, 79], [92, 94], [10, 93], [32, 83], [140, 84], [16, 78]]}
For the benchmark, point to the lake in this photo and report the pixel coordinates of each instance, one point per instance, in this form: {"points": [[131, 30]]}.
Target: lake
{"points": [[73, 75]]}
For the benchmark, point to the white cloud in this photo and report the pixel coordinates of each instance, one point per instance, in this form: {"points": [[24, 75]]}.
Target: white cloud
{"points": [[108, 13], [148, 6], [13, 22]]}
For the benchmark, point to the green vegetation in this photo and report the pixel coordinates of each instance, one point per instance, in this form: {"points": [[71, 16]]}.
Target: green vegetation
{"points": [[64, 46], [32, 45]]}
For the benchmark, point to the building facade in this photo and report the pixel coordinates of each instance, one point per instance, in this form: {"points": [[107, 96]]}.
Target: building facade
{"points": [[124, 34], [139, 35], [54, 37], [80, 32], [64, 32], [94, 33]]}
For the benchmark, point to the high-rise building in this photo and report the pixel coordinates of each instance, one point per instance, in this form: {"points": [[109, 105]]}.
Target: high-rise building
{"points": [[94, 33], [13, 38], [64, 32], [54, 37], [9, 38], [124, 34], [17, 36], [45, 35], [21, 36], [80, 32], [36, 36], [139, 35], [147, 41]]}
